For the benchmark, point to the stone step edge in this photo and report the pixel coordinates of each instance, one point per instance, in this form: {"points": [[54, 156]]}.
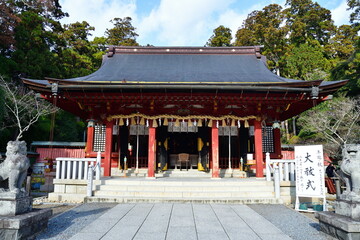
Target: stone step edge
{"points": [[116, 199], [255, 187], [184, 195], [178, 192], [169, 190], [195, 187], [214, 182], [186, 190]]}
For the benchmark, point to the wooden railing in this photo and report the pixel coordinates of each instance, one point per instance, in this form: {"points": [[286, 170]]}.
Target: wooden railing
{"points": [[76, 168], [286, 168]]}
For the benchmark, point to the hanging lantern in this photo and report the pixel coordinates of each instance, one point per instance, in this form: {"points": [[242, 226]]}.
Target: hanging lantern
{"points": [[127, 122], [195, 123], [154, 123], [199, 123], [222, 124], [246, 124], [217, 124], [121, 122], [233, 122], [210, 123], [239, 124], [147, 122], [142, 121], [159, 121], [166, 122], [132, 121]]}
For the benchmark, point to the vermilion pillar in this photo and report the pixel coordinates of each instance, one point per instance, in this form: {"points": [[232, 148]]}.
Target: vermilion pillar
{"points": [[151, 152], [258, 149], [108, 148], [215, 151], [89, 138], [277, 143]]}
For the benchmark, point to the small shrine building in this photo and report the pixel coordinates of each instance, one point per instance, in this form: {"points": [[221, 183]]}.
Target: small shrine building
{"points": [[147, 105]]}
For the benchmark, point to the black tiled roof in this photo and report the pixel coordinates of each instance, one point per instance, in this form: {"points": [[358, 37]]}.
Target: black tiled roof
{"points": [[184, 68]]}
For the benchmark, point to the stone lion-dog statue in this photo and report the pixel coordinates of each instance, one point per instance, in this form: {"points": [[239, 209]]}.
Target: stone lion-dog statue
{"points": [[350, 168], [14, 168]]}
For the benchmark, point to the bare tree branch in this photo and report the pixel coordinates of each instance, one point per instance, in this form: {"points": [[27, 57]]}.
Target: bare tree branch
{"points": [[24, 107], [336, 123]]}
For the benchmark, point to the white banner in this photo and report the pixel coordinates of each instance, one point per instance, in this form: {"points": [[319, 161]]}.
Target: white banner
{"points": [[310, 178]]}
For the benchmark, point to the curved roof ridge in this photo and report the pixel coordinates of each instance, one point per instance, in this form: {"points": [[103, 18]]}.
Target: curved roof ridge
{"points": [[224, 65], [186, 66]]}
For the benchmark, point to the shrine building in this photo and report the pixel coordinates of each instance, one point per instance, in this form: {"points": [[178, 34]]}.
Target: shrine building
{"points": [[218, 108]]}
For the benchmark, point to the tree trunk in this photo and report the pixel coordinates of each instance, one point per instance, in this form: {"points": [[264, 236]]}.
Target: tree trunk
{"points": [[294, 125], [287, 130]]}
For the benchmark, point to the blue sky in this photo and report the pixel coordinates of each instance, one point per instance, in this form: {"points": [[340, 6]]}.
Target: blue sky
{"points": [[177, 22]]}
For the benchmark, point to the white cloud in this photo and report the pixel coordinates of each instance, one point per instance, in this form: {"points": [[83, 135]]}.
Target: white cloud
{"points": [[97, 13], [191, 22], [174, 22], [340, 15], [180, 23]]}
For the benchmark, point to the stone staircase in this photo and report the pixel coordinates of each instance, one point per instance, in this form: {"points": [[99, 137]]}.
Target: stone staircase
{"points": [[177, 173], [185, 186]]}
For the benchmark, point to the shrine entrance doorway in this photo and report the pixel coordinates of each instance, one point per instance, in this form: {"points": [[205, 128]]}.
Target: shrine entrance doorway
{"points": [[183, 142]]}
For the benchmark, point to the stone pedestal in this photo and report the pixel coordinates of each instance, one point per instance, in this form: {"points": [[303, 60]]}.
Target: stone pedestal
{"points": [[338, 226], [344, 223], [11, 205], [17, 220], [347, 208], [24, 226]]}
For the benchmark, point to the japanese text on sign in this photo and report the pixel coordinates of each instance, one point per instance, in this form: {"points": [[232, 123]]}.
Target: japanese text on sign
{"points": [[310, 179]]}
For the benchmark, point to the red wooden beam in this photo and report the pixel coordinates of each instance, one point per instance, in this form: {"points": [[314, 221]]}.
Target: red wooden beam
{"points": [[151, 152], [277, 143], [108, 148], [258, 149], [215, 150], [89, 140]]}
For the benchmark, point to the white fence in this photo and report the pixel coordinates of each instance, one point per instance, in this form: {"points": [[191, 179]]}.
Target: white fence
{"points": [[286, 169], [77, 168]]}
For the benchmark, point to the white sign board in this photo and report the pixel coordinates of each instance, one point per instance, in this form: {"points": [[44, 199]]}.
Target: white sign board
{"points": [[310, 178]]}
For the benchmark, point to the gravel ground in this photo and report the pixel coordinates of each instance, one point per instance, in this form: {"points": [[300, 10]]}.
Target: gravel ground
{"points": [[57, 208], [295, 225], [70, 222]]}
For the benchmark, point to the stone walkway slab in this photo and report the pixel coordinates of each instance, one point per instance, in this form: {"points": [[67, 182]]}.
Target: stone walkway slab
{"points": [[180, 221]]}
